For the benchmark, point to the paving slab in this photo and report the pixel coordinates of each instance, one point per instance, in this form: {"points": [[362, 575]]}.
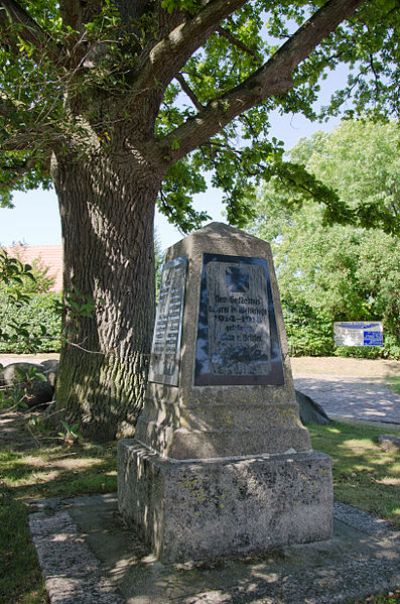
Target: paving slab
{"points": [[87, 555], [358, 399]]}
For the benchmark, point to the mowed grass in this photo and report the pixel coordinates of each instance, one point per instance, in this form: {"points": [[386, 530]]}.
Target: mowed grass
{"points": [[364, 475], [394, 384]]}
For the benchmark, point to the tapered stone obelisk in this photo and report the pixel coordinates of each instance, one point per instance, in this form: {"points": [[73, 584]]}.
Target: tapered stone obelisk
{"points": [[220, 463]]}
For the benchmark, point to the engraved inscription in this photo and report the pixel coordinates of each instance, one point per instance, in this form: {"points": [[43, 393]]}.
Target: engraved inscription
{"points": [[237, 338], [238, 324], [164, 365]]}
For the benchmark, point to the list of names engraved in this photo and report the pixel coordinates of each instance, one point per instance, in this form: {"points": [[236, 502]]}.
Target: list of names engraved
{"points": [[164, 365]]}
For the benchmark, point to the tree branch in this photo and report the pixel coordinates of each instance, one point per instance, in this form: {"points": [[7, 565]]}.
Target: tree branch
{"points": [[26, 140], [189, 92], [75, 13], [12, 13], [272, 79], [8, 107], [236, 42], [167, 57], [132, 9]]}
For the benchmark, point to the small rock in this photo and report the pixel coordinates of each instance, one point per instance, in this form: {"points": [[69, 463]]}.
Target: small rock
{"points": [[14, 373], [50, 364], [388, 441]]}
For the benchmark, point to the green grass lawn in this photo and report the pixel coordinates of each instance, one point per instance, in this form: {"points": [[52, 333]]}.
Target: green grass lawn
{"points": [[364, 476], [47, 471]]}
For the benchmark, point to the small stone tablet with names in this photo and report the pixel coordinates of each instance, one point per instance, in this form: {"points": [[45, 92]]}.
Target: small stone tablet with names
{"points": [[164, 365]]}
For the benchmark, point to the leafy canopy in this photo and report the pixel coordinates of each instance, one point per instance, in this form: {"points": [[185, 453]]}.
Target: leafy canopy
{"points": [[69, 80], [339, 272]]}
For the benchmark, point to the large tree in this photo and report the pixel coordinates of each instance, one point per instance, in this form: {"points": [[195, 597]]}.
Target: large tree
{"points": [[338, 272], [122, 103]]}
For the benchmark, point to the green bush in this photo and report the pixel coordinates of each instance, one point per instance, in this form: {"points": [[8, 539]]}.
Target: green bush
{"points": [[311, 334], [390, 350], [308, 333], [39, 310], [360, 352]]}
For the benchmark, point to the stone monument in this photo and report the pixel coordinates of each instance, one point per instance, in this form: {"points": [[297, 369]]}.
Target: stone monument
{"points": [[220, 463]]}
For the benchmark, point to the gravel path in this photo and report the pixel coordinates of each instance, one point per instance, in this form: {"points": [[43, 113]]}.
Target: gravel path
{"points": [[353, 389], [353, 399]]}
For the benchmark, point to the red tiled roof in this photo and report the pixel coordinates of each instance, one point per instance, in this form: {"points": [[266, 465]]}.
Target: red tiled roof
{"points": [[49, 256]]}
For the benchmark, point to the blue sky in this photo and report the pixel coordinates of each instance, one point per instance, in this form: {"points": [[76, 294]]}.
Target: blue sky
{"points": [[34, 220]]}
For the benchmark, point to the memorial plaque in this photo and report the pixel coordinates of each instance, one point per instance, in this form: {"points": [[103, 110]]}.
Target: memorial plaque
{"points": [[237, 340], [165, 352]]}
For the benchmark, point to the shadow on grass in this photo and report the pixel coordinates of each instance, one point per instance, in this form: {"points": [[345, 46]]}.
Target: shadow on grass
{"points": [[34, 474], [365, 475], [362, 474]]}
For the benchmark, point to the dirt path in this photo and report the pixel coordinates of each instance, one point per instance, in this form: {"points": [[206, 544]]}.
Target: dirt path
{"points": [[352, 389], [301, 366], [339, 367], [7, 359]]}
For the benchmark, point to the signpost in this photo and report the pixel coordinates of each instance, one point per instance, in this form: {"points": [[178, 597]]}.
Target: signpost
{"points": [[358, 333]]}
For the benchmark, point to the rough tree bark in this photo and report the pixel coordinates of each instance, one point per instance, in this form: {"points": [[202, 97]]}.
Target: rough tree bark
{"points": [[107, 214]]}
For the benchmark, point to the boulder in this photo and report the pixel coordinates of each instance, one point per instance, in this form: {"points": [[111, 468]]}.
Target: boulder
{"points": [[50, 364], [38, 393], [14, 373], [22, 375], [50, 370], [311, 412]]}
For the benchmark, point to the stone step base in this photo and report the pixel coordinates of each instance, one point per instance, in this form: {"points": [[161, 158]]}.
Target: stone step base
{"points": [[204, 509]]}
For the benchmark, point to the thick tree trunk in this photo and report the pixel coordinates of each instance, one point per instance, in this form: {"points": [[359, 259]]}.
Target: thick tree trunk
{"points": [[107, 215]]}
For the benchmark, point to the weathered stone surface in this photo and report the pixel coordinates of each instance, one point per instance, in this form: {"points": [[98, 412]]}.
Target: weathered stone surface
{"points": [[192, 421], [50, 364], [221, 464], [361, 559], [165, 360], [71, 571], [14, 373], [50, 371], [210, 508]]}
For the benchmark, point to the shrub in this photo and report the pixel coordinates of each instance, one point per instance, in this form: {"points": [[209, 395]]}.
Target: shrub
{"points": [[308, 333], [40, 310]]}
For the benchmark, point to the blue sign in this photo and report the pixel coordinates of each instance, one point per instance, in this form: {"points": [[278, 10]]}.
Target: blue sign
{"points": [[373, 338]]}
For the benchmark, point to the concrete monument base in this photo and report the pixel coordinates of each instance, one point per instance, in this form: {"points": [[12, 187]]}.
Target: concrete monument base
{"points": [[202, 509]]}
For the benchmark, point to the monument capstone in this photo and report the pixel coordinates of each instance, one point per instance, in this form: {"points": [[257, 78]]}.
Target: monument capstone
{"points": [[220, 463]]}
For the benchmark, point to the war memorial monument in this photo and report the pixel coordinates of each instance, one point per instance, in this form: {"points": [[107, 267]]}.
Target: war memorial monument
{"points": [[220, 463]]}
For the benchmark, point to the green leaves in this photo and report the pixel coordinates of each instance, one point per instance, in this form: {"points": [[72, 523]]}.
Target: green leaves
{"points": [[84, 99], [18, 281], [182, 5], [335, 272], [175, 201]]}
